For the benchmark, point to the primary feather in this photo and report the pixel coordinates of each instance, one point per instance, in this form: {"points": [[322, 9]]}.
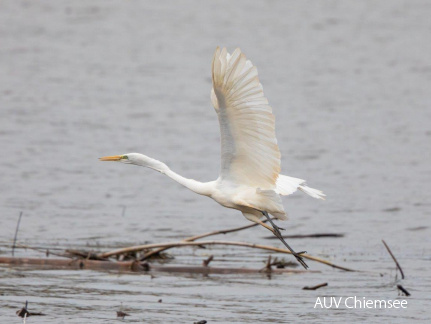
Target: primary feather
{"points": [[249, 150]]}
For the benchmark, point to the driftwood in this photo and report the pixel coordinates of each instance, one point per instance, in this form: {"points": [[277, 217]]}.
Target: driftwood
{"points": [[47, 251], [315, 287], [122, 314], [315, 235], [134, 266], [203, 243], [88, 255], [157, 248], [85, 258], [200, 236]]}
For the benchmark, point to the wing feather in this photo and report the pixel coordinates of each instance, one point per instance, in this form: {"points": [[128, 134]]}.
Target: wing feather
{"points": [[249, 150], [287, 185]]}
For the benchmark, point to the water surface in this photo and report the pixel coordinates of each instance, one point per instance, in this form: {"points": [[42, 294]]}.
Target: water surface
{"points": [[349, 85]]}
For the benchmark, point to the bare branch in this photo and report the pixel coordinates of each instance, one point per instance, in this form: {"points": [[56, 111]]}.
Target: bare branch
{"points": [[197, 237], [395, 260], [134, 266], [243, 244]]}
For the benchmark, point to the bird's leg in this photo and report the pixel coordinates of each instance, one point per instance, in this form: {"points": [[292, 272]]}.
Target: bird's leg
{"points": [[276, 230]]}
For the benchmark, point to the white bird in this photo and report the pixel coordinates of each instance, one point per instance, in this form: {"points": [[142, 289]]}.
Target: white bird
{"points": [[250, 178]]}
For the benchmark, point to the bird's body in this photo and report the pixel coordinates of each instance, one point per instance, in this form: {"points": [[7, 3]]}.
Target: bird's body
{"points": [[250, 179]]}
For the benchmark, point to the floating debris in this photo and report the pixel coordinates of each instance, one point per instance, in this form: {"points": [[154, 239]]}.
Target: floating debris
{"points": [[24, 313], [206, 262], [122, 314], [392, 209], [403, 290], [315, 287]]}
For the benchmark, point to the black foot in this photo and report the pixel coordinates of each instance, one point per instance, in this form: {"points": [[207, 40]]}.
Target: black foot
{"points": [[280, 237]]}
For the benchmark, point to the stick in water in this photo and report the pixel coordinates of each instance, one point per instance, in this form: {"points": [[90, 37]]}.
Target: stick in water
{"points": [[16, 233], [395, 260], [404, 291], [315, 287]]}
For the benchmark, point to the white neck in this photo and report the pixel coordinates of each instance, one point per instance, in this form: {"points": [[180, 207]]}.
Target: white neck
{"points": [[201, 188]]}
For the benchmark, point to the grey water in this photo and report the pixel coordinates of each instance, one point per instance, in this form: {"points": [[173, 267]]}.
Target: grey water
{"points": [[349, 83]]}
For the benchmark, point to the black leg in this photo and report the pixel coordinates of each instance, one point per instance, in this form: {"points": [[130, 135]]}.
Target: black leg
{"points": [[280, 237]]}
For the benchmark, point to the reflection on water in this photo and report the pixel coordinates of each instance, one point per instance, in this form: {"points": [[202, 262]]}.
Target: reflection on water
{"points": [[349, 85]]}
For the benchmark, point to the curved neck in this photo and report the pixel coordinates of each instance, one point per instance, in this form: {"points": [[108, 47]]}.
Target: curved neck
{"points": [[202, 188]]}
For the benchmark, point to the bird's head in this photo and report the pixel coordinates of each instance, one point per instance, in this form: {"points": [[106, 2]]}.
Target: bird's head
{"points": [[137, 159]]}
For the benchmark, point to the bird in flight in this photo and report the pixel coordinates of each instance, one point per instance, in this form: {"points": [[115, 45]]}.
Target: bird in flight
{"points": [[250, 179]]}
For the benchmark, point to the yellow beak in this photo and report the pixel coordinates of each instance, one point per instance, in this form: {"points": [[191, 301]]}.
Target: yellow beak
{"points": [[111, 158]]}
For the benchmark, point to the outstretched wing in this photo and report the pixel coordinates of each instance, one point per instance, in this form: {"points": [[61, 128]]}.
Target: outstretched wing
{"points": [[249, 150]]}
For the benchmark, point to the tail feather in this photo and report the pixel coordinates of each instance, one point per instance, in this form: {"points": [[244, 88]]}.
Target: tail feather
{"points": [[288, 185], [315, 193]]}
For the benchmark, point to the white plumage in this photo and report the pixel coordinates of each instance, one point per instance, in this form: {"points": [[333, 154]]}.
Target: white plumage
{"points": [[249, 151], [288, 185], [250, 178]]}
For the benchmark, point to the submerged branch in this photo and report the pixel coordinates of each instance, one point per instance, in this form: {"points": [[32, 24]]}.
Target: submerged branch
{"points": [[316, 235], [190, 241], [403, 290], [315, 287], [197, 237], [47, 251], [134, 266], [243, 244]]}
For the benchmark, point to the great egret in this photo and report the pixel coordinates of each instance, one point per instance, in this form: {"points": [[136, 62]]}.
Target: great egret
{"points": [[250, 178]]}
